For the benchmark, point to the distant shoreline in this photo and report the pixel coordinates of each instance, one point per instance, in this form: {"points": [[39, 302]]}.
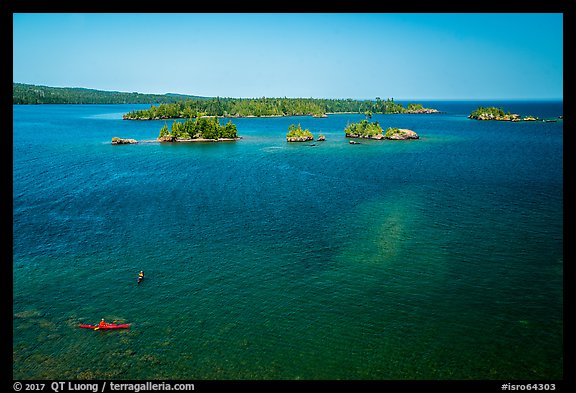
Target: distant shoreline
{"points": [[31, 94]]}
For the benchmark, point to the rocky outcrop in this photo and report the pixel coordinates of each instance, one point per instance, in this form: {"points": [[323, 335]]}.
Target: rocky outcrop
{"points": [[423, 110], [321, 138], [302, 138], [123, 141], [401, 134], [510, 117], [394, 134], [377, 136], [169, 138], [491, 116]]}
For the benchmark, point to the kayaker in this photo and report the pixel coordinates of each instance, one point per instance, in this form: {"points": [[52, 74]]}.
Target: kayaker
{"points": [[141, 274], [102, 323]]}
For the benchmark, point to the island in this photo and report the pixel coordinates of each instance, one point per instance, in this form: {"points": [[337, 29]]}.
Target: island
{"points": [[498, 114], [123, 141], [297, 134], [272, 107], [200, 129], [418, 108], [373, 130], [364, 129]]}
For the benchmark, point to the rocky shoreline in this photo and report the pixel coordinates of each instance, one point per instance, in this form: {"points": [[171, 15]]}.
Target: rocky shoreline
{"points": [[421, 111], [498, 114], [317, 116], [511, 117], [396, 134], [189, 140], [303, 138], [399, 134], [377, 137]]}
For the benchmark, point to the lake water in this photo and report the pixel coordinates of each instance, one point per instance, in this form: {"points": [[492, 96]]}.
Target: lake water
{"points": [[437, 258]]}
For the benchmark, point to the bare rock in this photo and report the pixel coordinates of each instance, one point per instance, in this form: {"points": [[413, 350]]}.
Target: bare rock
{"points": [[402, 134], [303, 138], [123, 141]]}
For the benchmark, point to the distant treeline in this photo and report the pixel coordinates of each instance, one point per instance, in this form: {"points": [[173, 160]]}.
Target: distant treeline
{"points": [[172, 106], [32, 94], [243, 107]]}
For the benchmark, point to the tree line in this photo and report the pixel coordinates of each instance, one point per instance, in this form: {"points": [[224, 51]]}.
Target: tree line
{"points": [[23, 94], [257, 107], [172, 106]]}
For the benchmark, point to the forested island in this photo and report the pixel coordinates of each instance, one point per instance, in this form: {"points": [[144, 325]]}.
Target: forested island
{"points": [[297, 134], [272, 107], [23, 94], [201, 129], [373, 130], [493, 113]]}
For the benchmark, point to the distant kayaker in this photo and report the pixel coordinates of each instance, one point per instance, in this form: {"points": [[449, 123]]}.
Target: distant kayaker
{"points": [[140, 276], [102, 323]]}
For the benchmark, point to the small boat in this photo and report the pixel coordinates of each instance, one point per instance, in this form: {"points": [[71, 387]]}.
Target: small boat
{"points": [[106, 326]]}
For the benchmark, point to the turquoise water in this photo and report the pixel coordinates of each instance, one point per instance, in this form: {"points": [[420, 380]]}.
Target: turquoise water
{"points": [[439, 258]]}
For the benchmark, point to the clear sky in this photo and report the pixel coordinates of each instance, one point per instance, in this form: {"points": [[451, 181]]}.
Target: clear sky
{"points": [[333, 55]]}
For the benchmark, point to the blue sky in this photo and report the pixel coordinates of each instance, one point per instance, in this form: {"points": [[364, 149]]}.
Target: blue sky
{"points": [[404, 56]]}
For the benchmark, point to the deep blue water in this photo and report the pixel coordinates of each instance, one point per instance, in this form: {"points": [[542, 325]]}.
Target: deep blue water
{"points": [[438, 258]]}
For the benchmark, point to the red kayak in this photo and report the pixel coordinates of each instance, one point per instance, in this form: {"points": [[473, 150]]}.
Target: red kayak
{"points": [[107, 326]]}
